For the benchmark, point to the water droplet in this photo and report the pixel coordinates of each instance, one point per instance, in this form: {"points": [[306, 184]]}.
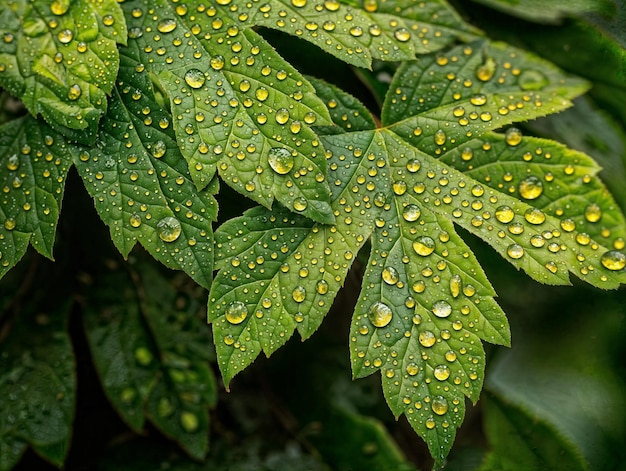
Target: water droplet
{"points": [[167, 25], [189, 422], [390, 275], [613, 260], [513, 137], [158, 149], [530, 188], [402, 34], [568, 225], [13, 162], [169, 229], [593, 213], [299, 294], [217, 62], [442, 309], [135, 220], [427, 338], [441, 372], [413, 165], [300, 204], [74, 92], [486, 70], [411, 213], [281, 160], [424, 246], [439, 405], [430, 423], [504, 214], [399, 187], [59, 7], [9, 224], [65, 36], [467, 153], [356, 31], [440, 137], [236, 312], [322, 287], [515, 251], [478, 100], [282, 116], [412, 369], [450, 356], [532, 80], [380, 314], [195, 78], [455, 285], [298, 3], [535, 216], [143, 356]]}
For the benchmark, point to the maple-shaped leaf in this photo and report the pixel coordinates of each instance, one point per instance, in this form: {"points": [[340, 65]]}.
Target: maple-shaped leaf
{"points": [[60, 58]]}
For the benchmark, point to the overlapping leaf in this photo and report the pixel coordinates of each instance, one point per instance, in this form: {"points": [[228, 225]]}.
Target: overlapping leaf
{"points": [[35, 162], [140, 182], [60, 58], [426, 304], [148, 347], [37, 384]]}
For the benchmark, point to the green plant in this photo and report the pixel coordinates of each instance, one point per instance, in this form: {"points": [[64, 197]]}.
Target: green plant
{"points": [[151, 101]]}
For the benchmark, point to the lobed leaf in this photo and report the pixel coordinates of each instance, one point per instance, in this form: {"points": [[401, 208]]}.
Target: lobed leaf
{"points": [[37, 384], [444, 100], [141, 184], [35, 163], [239, 108], [61, 59], [148, 349]]}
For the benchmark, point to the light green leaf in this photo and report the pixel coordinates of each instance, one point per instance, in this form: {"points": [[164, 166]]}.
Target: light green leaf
{"points": [[444, 100], [34, 162], [37, 384], [61, 59], [567, 185], [552, 11], [148, 346], [280, 272], [356, 33], [239, 108], [140, 182]]}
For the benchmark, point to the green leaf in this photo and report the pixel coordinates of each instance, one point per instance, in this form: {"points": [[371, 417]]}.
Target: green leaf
{"points": [[34, 164], [550, 12], [444, 100], [248, 117], [141, 184], [61, 60], [356, 34], [148, 346], [37, 384], [567, 186]]}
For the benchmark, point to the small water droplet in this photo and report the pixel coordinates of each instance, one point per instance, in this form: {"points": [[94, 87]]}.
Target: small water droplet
{"points": [[74, 92], [411, 213], [427, 338], [402, 34], [455, 285], [515, 251], [217, 62], [236, 312], [299, 294], [281, 160], [530, 188], [195, 78], [504, 214], [412, 369], [535, 216], [513, 137], [167, 25], [568, 225], [65, 36], [441, 372], [135, 220], [439, 405], [478, 99], [442, 309], [613, 260], [282, 116], [322, 287], [424, 246], [486, 70], [380, 314], [593, 213], [440, 137], [169, 229], [300, 204], [390, 275]]}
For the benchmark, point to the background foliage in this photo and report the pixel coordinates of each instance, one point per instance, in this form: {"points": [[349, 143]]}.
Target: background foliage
{"points": [[105, 357]]}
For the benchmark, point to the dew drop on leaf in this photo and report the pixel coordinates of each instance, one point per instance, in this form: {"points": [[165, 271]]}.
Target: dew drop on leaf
{"points": [[195, 78], [158, 149], [299, 294], [593, 213], [513, 137], [281, 160], [515, 251], [380, 314], [530, 188], [9, 224], [300, 204], [390, 275], [441, 372], [167, 25], [74, 92], [430, 423], [486, 70], [282, 116], [217, 62], [135, 220], [504, 214], [427, 338], [440, 137], [402, 34], [65, 36], [478, 99], [450, 356], [455, 285], [424, 246], [236, 312], [535, 216], [568, 225], [412, 369], [613, 260], [442, 309], [322, 287], [532, 80], [411, 213], [439, 405], [59, 7], [169, 229]]}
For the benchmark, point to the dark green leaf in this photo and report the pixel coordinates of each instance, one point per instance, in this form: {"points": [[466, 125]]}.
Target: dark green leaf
{"points": [[552, 11]]}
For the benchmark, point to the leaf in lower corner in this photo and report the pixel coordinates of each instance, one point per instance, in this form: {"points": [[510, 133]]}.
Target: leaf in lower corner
{"points": [[34, 164], [37, 386], [61, 60], [149, 348], [141, 184]]}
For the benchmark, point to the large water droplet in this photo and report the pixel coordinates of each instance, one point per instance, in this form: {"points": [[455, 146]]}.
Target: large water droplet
{"points": [[167, 25], [390, 275], [515, 251], [442, 309], [535, 216], [424, 246], [455, 285], [379, 314], [532, 80], [411, 213], [300, 204], [158, 149], [513, 137], [427, 338], [299, 294], [236, 312], [281, 160], [613, 260], [169, 229], [195, 78], [439, 405], [530, 188], [504, 214], [441, 372], [593, 213]]}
